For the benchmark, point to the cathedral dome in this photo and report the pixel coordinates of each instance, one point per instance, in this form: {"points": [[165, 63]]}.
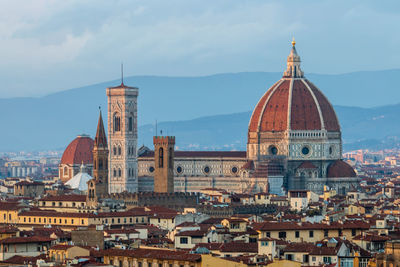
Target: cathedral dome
{"points": [[79, 151], [340, 168], [294, 119], [293, 103]]}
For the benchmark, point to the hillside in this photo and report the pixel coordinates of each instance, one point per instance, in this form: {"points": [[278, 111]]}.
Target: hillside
{"points": [[52, 121]]}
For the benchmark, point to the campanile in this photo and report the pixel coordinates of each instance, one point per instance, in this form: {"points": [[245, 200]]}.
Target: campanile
{"points": [[122, 134]]}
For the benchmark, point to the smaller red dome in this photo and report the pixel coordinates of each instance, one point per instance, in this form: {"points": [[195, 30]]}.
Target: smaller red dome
{"points": [[339, 169], [79, 151]]}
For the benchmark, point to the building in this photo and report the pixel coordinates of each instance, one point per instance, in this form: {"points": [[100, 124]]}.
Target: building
{"points": [[78, 152], [122, 134], [29, 189], [294, 143]]}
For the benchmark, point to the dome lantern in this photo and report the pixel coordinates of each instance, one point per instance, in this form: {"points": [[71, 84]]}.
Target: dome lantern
{"points": [[293, 69]]}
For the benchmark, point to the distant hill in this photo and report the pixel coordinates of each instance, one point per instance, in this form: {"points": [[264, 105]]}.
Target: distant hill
{"points": [[52, 121], [373, 128]]}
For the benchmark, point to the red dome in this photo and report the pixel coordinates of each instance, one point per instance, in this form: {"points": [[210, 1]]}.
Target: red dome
{"points": [[79, 151], [339, 169], [294, 104]]}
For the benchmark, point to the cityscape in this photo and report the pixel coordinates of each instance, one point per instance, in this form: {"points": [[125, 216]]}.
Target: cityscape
{"points": [[303, 179]]}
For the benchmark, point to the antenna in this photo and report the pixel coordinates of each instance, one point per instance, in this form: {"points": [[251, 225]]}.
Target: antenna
{"points": [[122, 73], [156, 127]]}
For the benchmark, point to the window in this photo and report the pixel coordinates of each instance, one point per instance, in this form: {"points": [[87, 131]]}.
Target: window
{"points": [[119, 150], [327, 260], [268, 234], [130, 124], [82, 222], [115, 150], [282, 234], [161, 158], [314, 258], [297, 234], [184, 240], [353, 232], [119, 172], [117, 123], [305, 258], [170, 159], [289, 257], [311, 233], [264, 243], [326, 233], [115, 173]]}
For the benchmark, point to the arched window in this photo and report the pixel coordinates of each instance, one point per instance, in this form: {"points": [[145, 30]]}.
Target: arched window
{"points": [[130, 124], [115, 172], [119, 150], [115, 150], [117, 123], [161, 158], [65, 171], [119, 173]]}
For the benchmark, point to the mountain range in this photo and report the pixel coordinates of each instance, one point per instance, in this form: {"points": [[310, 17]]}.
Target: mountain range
{"points": [[187, 107]]}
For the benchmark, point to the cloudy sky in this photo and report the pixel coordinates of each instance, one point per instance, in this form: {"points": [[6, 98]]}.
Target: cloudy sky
{"points": [[51, 45]]}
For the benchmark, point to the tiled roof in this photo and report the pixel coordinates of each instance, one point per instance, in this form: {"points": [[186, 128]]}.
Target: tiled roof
{"points": [[269, 226], [239, 247], [79, 151], [201, 154], [340, 168], [28, 183], [32, 239], [9, 206], [196, 233], [307, 165], [159, 254], [76, 198], [303, 101], [47, 213]]}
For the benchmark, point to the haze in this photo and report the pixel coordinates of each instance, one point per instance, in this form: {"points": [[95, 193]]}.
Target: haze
{"points": [[48, 46]]}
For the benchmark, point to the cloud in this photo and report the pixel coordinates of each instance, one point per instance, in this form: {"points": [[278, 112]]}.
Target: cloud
{"points": [[73, 43]]}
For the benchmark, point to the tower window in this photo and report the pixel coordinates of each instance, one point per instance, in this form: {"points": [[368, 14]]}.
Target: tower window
{"points": [[115, 150], [161, 158], [119, 172], [117, 123], [170, 159], [119, 150], [130, 124], [100, 164], [115, 172]]}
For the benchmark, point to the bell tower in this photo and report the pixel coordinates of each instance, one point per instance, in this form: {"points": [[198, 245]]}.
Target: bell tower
{"points": [[122, 134], [164, 164], [98, 185]]}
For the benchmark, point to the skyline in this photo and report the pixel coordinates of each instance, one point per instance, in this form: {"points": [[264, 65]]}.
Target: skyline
{"points": [[49, 47]]}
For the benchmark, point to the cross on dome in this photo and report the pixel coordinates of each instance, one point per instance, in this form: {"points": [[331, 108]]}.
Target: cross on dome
{"points": [[293, 69]]}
